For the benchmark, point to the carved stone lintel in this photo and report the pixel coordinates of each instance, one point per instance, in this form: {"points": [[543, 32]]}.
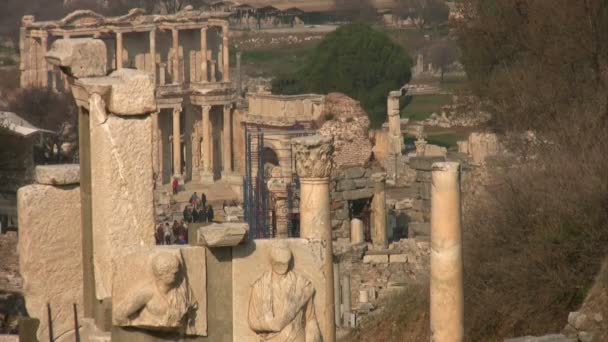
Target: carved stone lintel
{"points": [[313, 156]]}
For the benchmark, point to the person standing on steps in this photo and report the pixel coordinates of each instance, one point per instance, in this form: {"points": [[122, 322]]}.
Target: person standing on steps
{"points": [[210, 214], [174, 185]]}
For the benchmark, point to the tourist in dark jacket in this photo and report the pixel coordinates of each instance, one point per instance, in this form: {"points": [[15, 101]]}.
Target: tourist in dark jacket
{"points": [[210, 213]]}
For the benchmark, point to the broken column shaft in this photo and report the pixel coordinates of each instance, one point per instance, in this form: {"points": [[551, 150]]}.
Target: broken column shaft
{"points": [[446, 302], [379, 236], [313, 164]]}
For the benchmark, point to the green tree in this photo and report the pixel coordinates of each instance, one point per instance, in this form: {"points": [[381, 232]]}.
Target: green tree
{"points": [[357, 61]]}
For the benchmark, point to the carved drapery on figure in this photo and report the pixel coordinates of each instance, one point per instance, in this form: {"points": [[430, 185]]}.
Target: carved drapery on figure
{"points": [[313, 156], [281, 305], [165, 302]]}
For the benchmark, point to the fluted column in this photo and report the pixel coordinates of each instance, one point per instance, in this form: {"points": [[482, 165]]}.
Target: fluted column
{"points": [[177, 155], [204, 72], [446, 303], [119, 50], [225, 54], [175, 37], [379, 236], [227, 140], [314, 162], [155, 148], [207, 172]]}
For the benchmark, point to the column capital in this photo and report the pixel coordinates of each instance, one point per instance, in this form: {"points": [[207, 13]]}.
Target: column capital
{"points": [[228, 107], [206, 108], [177, 110], [314, 156]]}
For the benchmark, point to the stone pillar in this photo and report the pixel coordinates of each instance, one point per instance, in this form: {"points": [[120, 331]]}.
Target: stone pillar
{"points": [[227, 137], [239, 80], [177, 144], [394, 123], [225, 55], [156, 161], [357, 234], [204, 72], [175, 37], [119, 51], [152, 67], [213, 71], [446, 302], [379, 236], [314, 162], [44, 71], [337, 293], [207, 172], [346, 306]]}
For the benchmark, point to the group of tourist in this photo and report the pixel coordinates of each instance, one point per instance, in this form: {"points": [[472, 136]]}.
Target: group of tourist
{"points": [[198, 210], [172, 235]]}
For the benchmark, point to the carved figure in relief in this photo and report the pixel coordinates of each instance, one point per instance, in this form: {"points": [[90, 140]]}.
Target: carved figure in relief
{"points": [[164, 303], [281, 305]]}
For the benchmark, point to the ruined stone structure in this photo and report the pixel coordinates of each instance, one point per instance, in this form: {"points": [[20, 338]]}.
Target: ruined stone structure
{"points": [[187, 55]]}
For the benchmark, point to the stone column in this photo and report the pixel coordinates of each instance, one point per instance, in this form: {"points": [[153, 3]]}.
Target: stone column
{"points": [[155, 148], [446, 302], [346, 306], [314, 162], [379, 236], [119, 57], [239, 80], [177, 144], [207, 173], [225, 54], [152, 67], [357, 234], [44, 71], [204, 72], [337, 293], [227, 137], [175, 37]]}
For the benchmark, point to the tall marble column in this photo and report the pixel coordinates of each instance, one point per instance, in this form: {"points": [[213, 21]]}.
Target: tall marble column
{"points": [[206, 173], [175, 42], [177, 155], [119, 51], [225, 54], [314, 162], [447, 299], [379, 236], [227, 140], [204, 72]]}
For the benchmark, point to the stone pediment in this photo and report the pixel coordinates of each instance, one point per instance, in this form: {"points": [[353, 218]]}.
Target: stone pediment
{"points": [[82, 18]]}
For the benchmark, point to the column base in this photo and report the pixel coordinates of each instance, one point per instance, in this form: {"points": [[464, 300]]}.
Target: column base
{"points": [[206, 178]]}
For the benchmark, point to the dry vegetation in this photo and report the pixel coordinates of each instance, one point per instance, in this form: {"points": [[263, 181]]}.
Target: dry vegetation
{"points": [[535, 238]]}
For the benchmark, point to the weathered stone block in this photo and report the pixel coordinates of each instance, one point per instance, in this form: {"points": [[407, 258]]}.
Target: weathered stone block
{"points": [[135, 277], [354, 172], [341, 214], [406, 203], [363, 183], [336, 196], [222, 235], [126, 91], [375, 259], [50, 254], [79, 57], [358, 194], [398, 258], [424, 163], [251, 262], [346, 184], [425, 191], [63, 174], [122, 196]]}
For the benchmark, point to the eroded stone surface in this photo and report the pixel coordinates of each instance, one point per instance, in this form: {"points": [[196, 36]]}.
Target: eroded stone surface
{"points": [[63, 174], [222, 234], [50, 254], [121, 178], [80, 57], [162, 288], [251, 262], [125, 91]]}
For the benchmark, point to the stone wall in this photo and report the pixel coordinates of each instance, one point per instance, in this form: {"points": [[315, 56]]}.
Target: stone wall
{"points": [[346, 185], [285, 109]]}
